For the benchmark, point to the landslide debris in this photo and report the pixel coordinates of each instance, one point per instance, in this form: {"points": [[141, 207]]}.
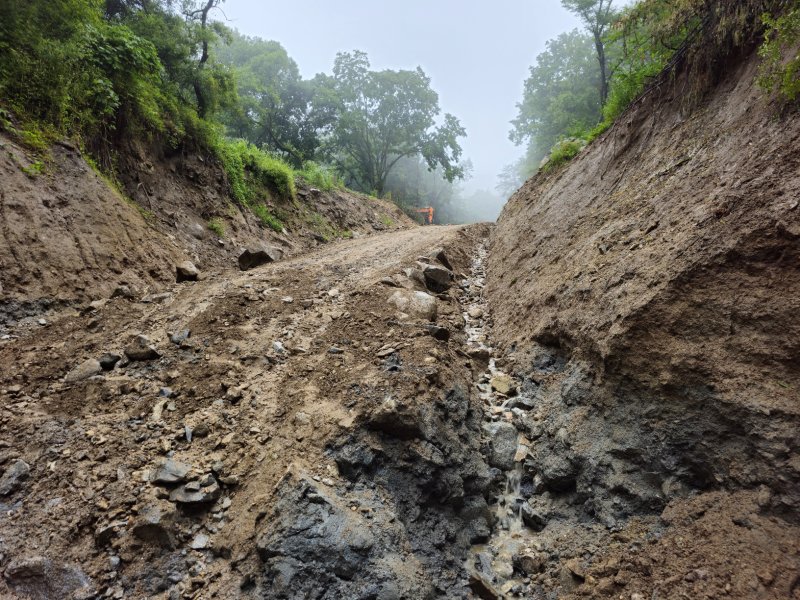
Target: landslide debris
{"points": [[224, 449], [646, 298]]}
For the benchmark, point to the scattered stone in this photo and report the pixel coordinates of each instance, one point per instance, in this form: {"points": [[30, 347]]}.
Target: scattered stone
{"points": [[278, 347], [108, 361], [123, 291], [415, 304], [390, 282], [530, 563], [86, 369], [141, 349], [503, 384], [42, 322], [179, 337], [480, 355], [386, 352], [200, 542], [287, 299], [334, 293], [197, 231], [483, 588], [195, 493], [154, 525], [170, 471], [437, 279], [439, 333], [533, 518], [475, 312], [254, 257], [14, 475], [440, 255], [335, 350], [503, 437], [186, 271]]}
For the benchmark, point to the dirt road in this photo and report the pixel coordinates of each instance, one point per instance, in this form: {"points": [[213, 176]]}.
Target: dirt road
{"points": [[162, 474]]}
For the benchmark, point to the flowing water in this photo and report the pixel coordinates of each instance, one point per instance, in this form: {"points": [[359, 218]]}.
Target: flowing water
{"points": [[492, 562]]}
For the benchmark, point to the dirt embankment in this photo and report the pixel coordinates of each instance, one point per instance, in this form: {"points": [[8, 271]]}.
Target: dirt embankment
{"points": [[67, 235], [648, 296]]}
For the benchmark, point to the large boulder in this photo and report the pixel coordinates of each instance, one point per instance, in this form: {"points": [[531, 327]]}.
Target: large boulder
{"points": [[503, 437], [86, 369], [437, 279], [186, 271], [415, 304], [253, 257], [141, 348], [12, 479]]}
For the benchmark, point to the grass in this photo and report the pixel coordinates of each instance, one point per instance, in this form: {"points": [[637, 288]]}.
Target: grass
{"points": [[320, 177], [34, 169], [267, 218], [563, 152], [217, 225], [387, 220]]}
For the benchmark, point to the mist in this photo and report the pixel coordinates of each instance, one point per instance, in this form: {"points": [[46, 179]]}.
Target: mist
{"points": [[477, 57]]}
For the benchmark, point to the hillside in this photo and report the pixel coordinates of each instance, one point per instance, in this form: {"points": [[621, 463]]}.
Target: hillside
{"points": [[647, 295]]}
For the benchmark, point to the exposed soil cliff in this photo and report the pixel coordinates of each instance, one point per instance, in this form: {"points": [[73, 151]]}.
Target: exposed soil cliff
{"points": [[67, 235], [648, 296]]}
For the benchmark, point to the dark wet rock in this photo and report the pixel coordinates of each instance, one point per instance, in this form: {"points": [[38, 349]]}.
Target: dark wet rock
{"points": [[186, 271], [558, 473], [196, 493], [104, 534], [254, 257], [313, 545], [141, 349], [530, 563], [108, 361], [179, 337], [85, 370], [155, 524], [503, 438], [533, 517], [437, 279], [170, 472], [438, 333], [440, 255], [483, 588], [40, 578], [13, 477]]}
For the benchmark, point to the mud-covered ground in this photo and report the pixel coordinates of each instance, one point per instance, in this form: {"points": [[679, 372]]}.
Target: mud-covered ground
{"points": [[304, 429]]}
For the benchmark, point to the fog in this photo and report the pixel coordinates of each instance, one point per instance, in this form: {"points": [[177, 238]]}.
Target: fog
{"points": [[476, 53]]}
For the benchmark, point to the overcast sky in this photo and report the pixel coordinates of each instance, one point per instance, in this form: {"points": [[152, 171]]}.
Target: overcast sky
{"points": [[477, 53]]}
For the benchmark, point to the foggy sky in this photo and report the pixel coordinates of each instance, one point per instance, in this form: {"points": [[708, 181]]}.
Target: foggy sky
{"points": [[477, 53]]}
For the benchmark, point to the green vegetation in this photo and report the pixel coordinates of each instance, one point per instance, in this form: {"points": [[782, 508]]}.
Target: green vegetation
{"points": [[251, 172], [267, 218], [217, 226], [387, 220], [563, 151], [34, 169], [780, 74], [319, 176], [585, 80]]}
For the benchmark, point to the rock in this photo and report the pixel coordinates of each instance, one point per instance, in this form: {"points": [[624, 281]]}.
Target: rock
{"points": [[480, 355], [482, 588], [415, 304], [40, 578], [335, 350], [254, 257], [437, 279], [440, 255], [108, 361], [557, 472], [14, 475], [389, 281], [141, 349], [170, 471], [503, 384], [155, 524], [503, 437], [197, 231], [123, 291], [199, 542], [105, 533], [179, 337], [195, 493], [439, 333], [530, 563], [532, 517], [86, 369], [186, 271], [475, 312], [386, 352]]}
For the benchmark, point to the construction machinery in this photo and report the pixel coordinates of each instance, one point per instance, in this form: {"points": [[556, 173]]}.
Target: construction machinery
{"points": [[427, 214]]}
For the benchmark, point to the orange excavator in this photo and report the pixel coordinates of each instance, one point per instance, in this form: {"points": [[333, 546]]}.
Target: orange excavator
{"points": [[427, 214]]}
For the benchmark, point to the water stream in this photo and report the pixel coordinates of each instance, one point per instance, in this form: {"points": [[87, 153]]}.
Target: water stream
{"points": [[492, 562]]}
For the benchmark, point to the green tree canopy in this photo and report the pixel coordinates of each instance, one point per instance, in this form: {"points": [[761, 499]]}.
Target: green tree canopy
{"points": [[560, 95], [381, 117]]}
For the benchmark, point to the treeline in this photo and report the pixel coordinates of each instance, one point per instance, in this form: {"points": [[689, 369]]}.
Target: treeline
{"points": [[587, 78], [106, 71]]}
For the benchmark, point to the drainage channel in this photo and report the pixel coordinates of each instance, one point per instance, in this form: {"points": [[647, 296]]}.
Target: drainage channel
{"points": [[491, 565]]}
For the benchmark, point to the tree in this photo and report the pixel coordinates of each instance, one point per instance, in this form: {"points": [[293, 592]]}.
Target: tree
{"points": [[377, 118], [559, 98], [274, 109], [597, 16]]}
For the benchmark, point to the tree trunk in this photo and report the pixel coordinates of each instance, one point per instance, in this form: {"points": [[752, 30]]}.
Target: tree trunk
{"points": [[601, 58], [199, 92]]}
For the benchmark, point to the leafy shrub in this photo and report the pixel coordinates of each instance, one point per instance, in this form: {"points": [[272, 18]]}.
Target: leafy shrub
{"points": [[252, 171], [217, 226], [267, 218], [780, 73], [320, 176], [563, 152]]}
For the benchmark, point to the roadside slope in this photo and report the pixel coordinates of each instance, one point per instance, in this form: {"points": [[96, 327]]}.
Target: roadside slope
{"points": [[648, 296]]}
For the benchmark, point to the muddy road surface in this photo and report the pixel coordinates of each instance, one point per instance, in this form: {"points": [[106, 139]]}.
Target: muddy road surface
{"points": [[305, 429]]}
